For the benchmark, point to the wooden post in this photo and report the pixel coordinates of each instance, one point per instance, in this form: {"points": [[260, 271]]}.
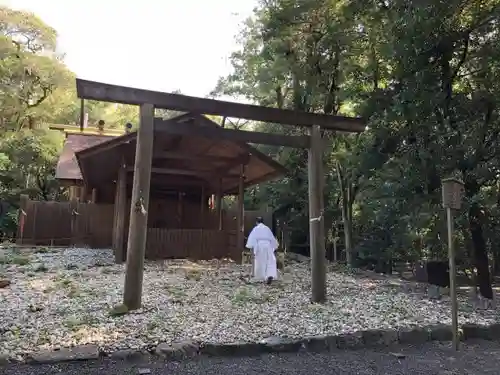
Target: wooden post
{"points": [[72, 192], [240, 235], [452, 190], [119, 217], [321, 184], [138, 226], [82, 115], [83, 194], [114, 235], [179, 210], [75, 229], [317, 243], [202, 207], [286, 237], [181, 204], [22, 217], [453, 286], [218, 203]]}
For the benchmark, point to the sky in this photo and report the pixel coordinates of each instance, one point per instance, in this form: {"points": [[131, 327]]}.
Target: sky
{"points": [[161, 45]]}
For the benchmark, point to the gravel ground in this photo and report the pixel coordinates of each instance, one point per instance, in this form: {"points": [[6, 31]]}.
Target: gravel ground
{"points": [[63, 298], [478, 358]]}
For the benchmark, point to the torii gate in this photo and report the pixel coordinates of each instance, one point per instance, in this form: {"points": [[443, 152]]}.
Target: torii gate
{"points": [[149, 100]]}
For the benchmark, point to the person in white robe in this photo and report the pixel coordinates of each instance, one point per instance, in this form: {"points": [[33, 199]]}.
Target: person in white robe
{"points": [[263, 244]]}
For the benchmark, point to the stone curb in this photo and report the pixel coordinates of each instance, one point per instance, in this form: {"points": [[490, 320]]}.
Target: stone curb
{"points": [[347, 341]]}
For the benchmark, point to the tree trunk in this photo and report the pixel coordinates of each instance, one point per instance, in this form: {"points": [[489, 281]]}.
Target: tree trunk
{"points": [[480, 252], [496, 262], [346, 209], [347, 220], [349, 227]]}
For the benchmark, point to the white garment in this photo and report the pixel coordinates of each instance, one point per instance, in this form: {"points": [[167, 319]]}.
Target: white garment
{"points": [[263, 243]]}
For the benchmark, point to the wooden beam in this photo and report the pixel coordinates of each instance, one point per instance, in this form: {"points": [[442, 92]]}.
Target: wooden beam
{"points": [[91, 131], [177, 182], [106, 145], [186, 172], [196, 158], [238, 160], [119, 217], [128, 95], [75, 129], [316, 243], [192, 130], [139, 207], [172, 192], [167, 183]]}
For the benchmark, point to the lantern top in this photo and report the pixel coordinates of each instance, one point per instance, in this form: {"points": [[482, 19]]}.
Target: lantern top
{"points": [[452, 180]]}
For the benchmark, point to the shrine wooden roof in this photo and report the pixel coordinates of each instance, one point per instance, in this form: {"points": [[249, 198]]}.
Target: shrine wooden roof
{"points": [[67, 168], [180, 162]]}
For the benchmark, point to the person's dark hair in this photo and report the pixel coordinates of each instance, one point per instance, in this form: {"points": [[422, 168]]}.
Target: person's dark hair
{"points": [[259, 220]]}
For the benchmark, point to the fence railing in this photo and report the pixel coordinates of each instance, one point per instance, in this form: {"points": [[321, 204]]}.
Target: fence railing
{"points": [[50, 223]]}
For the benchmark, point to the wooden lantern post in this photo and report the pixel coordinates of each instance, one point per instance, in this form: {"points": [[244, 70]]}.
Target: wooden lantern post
{"points": [[452, 200]]}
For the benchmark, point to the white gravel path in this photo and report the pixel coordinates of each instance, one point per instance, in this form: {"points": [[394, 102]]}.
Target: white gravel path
{"points": [[63, 298]]}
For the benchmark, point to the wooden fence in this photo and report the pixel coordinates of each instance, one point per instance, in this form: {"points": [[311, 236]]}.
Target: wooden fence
{"points": [[44, 223], [199, 244], [65, 224]]}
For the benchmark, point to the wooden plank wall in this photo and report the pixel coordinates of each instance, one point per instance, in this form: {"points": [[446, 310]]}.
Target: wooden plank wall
{"points": [[66, 224], [196, 244], [171, 234]]}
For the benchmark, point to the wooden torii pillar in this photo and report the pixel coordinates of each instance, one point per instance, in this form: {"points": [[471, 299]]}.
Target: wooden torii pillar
{"points": [[138, 226], [316, 223]]}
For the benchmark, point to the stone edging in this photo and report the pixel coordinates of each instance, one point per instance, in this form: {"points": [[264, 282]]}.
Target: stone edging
{"points": [[356, 340]]}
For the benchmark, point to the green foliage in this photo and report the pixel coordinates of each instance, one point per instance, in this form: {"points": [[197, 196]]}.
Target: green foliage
{"points": [[29, 160], [424, 76], [36, 89]]}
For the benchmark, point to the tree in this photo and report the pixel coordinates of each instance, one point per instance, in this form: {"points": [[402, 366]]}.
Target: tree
{"points": [[33, 84], [30, 69], [28, 159], [426, 78]]}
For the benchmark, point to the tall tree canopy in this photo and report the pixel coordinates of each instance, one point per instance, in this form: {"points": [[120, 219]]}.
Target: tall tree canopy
{"points": [[37, 89], [425, 76]]}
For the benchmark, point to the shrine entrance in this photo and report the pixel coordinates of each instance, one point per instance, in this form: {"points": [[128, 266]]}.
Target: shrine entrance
{"points": [[144, 151]]}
